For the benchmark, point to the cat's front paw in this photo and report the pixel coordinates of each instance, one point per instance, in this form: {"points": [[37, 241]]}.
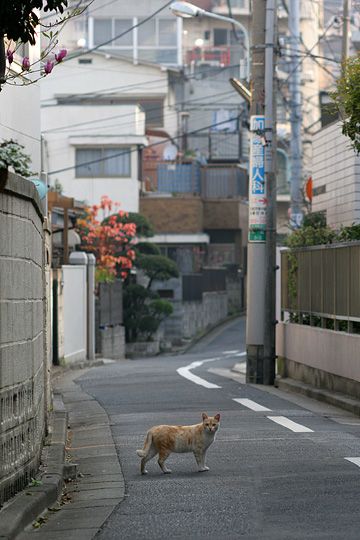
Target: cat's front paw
{"points": [[204, 469], [144, 472]]}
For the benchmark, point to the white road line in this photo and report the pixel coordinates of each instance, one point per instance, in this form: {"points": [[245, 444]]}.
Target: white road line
{"points": [[250, 404], [186, 373], [241, 354], [355, 460], [231, 352], [285, 422]]}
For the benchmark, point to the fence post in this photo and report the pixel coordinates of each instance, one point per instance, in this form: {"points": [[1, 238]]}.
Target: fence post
{"points": [[91, 306]]}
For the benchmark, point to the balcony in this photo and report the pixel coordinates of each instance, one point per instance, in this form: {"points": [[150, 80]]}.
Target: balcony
{"points": [[210, 56], [207, 181]]}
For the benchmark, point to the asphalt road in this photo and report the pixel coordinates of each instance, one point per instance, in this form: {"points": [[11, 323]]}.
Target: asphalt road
{"points": [[266, 481]]}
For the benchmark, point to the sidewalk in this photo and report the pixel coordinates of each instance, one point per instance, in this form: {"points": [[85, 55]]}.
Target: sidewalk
{"points": [[88, 500]]}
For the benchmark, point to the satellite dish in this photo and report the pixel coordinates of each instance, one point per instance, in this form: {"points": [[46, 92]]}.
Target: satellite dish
{"points": [[170, 152]]}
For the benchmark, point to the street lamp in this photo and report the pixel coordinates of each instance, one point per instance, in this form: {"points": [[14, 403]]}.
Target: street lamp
{"points": [[188, 11]]}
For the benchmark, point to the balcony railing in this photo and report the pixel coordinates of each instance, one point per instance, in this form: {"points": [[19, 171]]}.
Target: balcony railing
{"points": [[223, 182], [208, 181], [214, 56]]}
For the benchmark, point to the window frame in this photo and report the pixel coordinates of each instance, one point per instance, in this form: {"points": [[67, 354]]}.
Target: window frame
{"points": [[102, 148], [134, 45]]}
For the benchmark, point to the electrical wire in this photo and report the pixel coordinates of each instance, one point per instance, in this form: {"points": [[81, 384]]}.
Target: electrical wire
{"points": [[152, 109], [116, 89], [118, 36], [308, 54], [168, 139]]}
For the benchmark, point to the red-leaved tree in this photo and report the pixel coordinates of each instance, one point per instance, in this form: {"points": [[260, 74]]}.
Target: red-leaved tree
{"points": [[103, 233]]}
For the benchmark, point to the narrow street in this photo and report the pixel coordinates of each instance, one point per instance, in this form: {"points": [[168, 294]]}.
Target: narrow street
{"points": [[278, 467]]}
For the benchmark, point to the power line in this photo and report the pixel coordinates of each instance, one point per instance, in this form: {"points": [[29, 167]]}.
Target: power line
{"points": [[74, 167], [233, 108], [130, 29], [115, 89], [90, 122], [308, 54]]}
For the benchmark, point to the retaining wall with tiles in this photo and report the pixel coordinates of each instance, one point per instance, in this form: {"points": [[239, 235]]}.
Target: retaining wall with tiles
{"points": [[23, 356]]}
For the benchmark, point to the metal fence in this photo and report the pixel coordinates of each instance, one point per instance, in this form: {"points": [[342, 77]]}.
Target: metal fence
{"points": [[223, 181], [179, 178], [322, 283]]}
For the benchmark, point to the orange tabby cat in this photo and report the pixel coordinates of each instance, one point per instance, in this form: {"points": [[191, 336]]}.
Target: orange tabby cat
{"points": [[163, 440]]}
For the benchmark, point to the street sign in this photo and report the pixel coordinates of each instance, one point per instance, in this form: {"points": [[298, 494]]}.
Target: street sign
{"points": [[257, 183]]}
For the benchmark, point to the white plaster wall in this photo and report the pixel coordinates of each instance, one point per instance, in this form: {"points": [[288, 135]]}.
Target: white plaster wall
{"points": [[334, 352], [20, 119], [75, 313], [336, 166], [104, 74], [112, 125]]}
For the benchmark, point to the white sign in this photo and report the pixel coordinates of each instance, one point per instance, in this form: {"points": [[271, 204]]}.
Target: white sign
{"points": [[257, 183]]}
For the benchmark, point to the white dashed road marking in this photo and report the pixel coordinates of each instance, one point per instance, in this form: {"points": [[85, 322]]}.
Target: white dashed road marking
{"points": [[355, 460], [289, 424], [250, 404], [231, 352], [186, 373]]}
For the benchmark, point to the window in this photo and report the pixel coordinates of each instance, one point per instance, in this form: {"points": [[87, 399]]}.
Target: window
{"points": [[155, 40], [167, 32], [147, 33], [102, 31], [103, 162], [121, 25], [220, 36]]}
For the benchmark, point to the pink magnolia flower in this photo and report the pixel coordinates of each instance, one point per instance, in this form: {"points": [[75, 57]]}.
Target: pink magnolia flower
{"points": [[26, 63], [59, 57], [10, 56], [48, 67]]}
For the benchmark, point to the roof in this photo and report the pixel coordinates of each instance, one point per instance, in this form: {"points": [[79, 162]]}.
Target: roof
{"points": [[117, 56]]}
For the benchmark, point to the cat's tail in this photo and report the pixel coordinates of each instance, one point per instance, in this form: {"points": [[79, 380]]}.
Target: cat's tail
{"points": [[148, 441]]}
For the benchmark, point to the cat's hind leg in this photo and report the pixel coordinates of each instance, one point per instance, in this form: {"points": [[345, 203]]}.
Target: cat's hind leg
{"points": [[151, 453], [200, 460], [163, 455]]}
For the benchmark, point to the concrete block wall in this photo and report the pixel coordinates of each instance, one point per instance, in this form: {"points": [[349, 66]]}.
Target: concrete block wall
{"points": [[190, 318], [201, 315], [22, 340], [113, 342]]}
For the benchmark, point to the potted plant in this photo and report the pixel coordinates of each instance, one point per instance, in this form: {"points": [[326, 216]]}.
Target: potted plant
{"points": [[12, 155]]}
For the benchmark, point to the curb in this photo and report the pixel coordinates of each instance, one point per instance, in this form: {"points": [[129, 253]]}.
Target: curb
{"points": [[27, 505], [332, 398]]}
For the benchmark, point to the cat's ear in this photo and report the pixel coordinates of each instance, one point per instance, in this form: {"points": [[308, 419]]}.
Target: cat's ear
{"points": [[217, 417], [204, 416]]}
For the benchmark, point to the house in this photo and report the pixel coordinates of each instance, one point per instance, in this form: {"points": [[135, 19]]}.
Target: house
{"points": [[95, 127], [336, 177]]}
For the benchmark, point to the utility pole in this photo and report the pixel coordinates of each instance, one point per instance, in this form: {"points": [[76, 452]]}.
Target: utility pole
{"points": [[345, 31], [270, 175], [258, 331], [296, 214]]}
